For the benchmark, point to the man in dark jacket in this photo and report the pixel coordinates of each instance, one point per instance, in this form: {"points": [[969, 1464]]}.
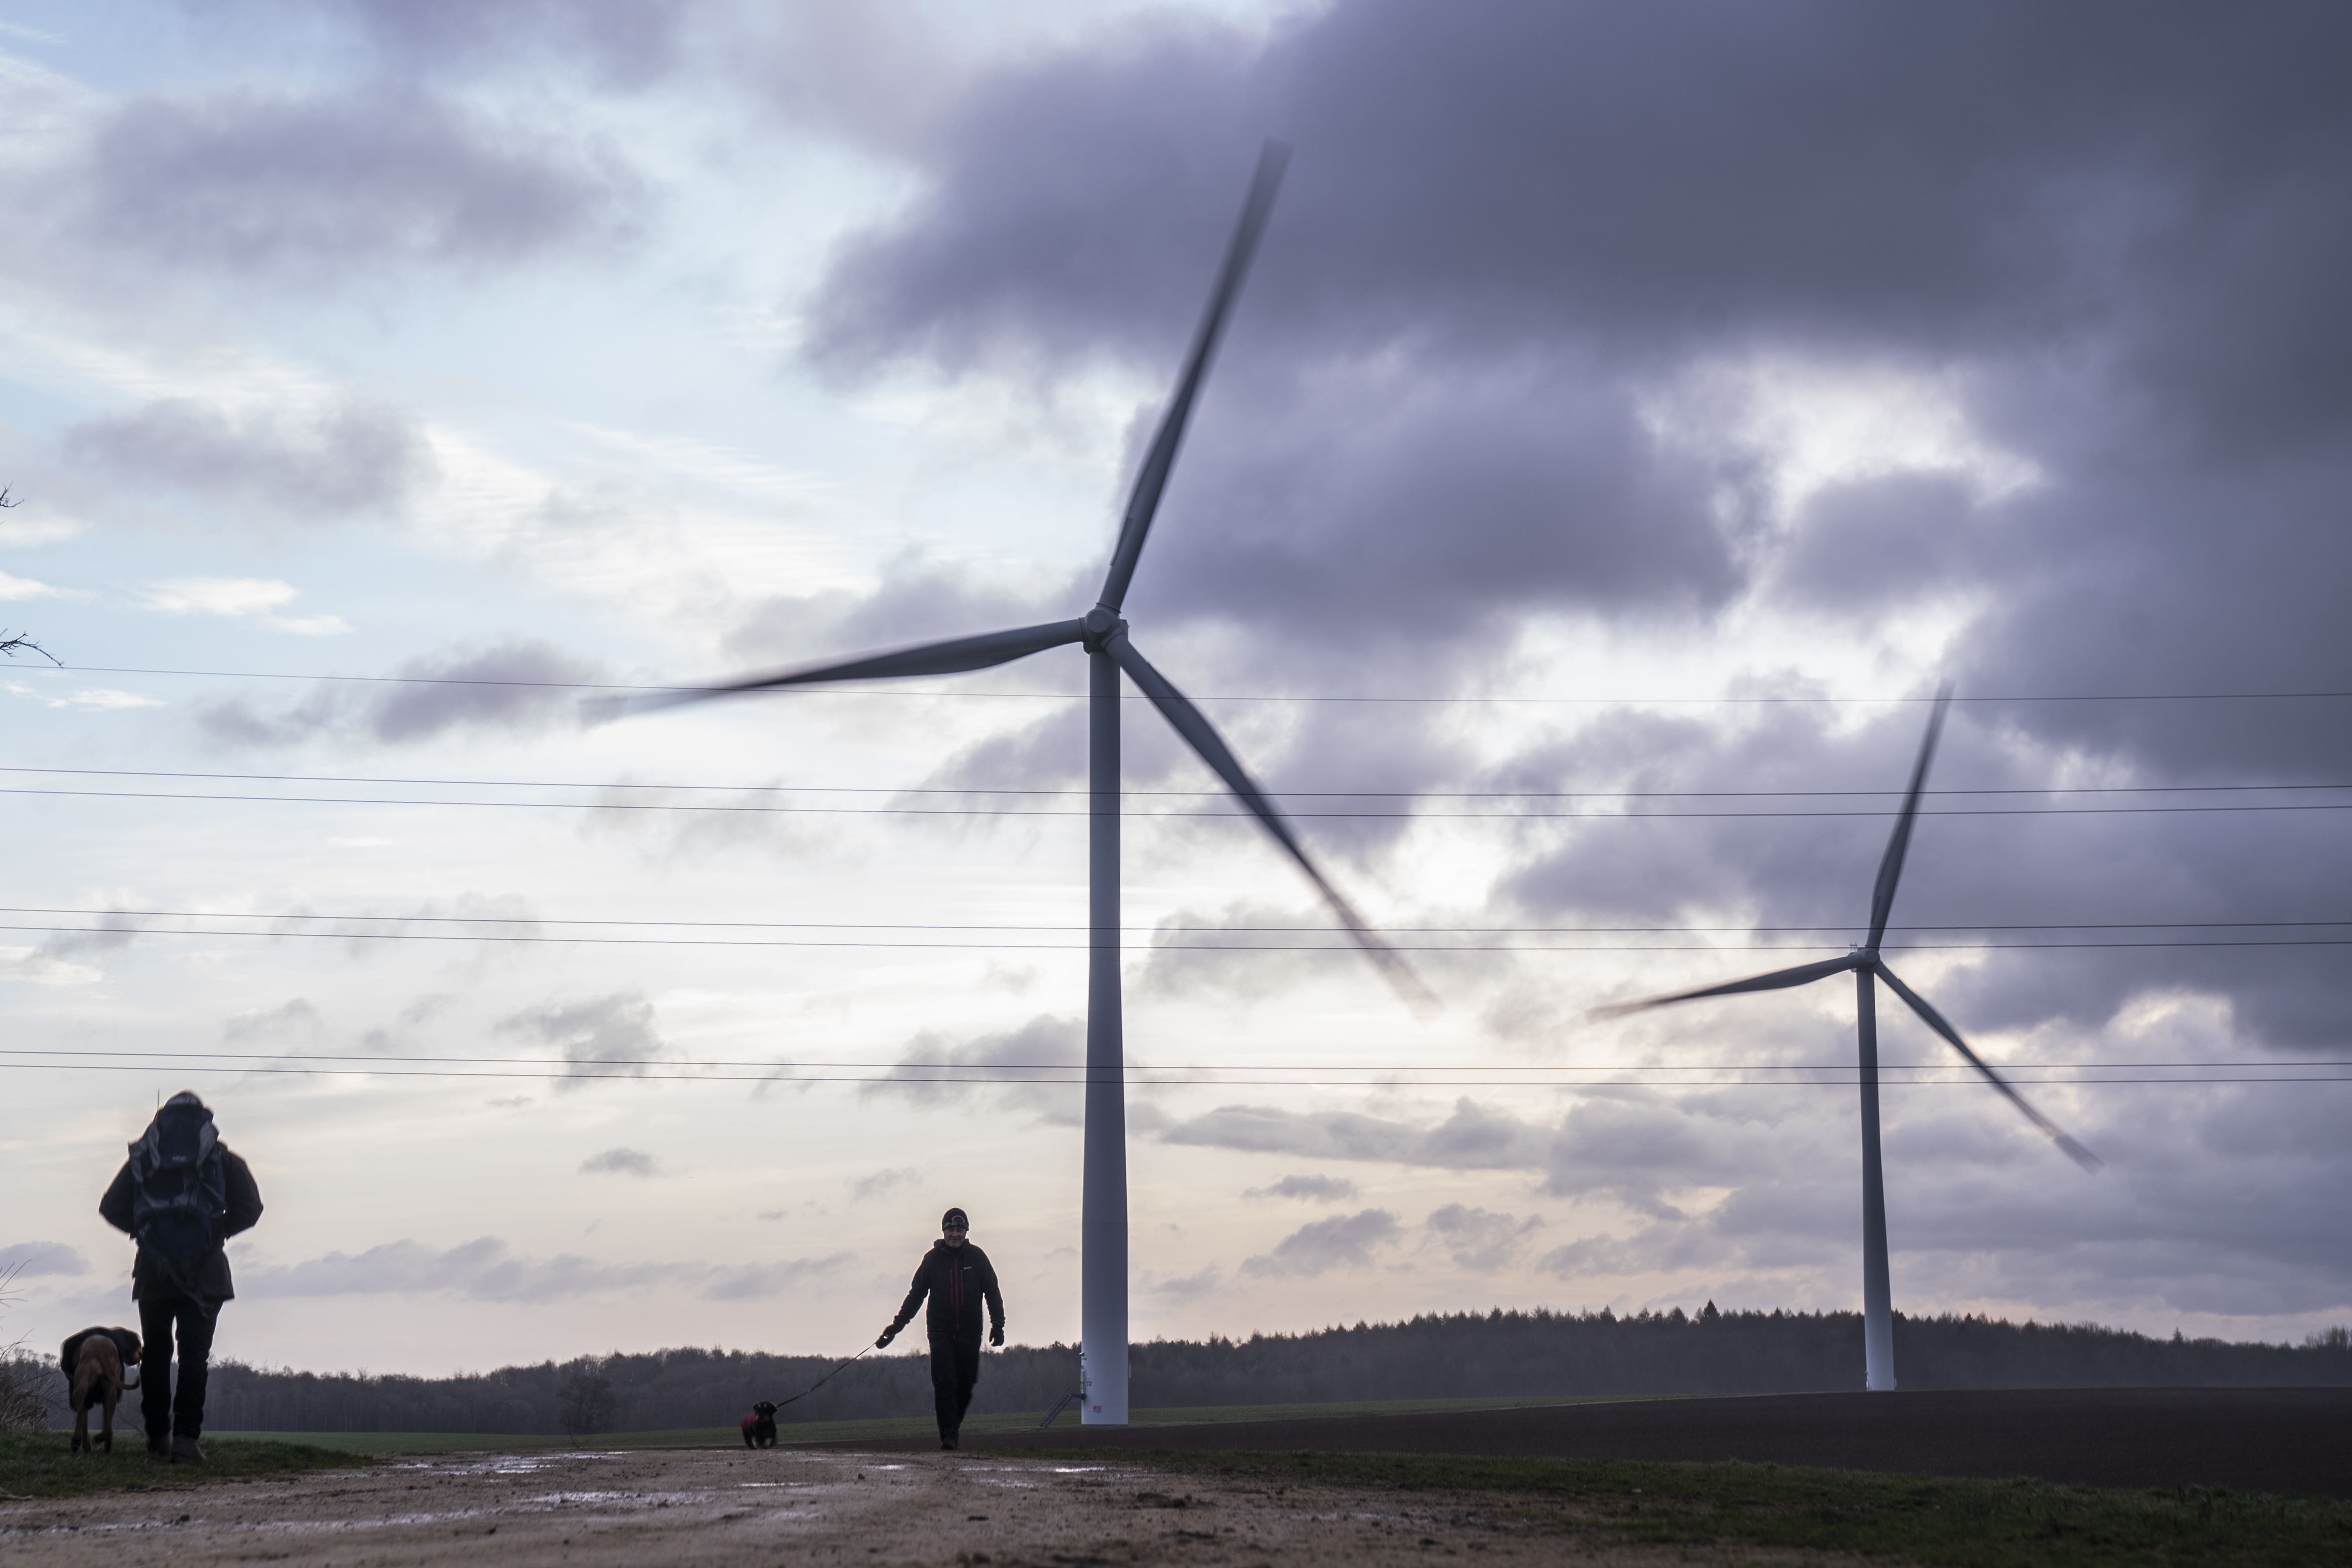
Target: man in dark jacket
{"points": [[957, 1276], [180, 1195]]}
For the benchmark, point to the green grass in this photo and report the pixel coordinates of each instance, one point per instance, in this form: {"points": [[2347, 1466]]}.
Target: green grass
{"points": [[871, 1429], [42, 1464], [1952, 1523]]}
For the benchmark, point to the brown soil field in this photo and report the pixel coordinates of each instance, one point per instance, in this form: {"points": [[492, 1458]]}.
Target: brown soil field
{"points": [[698, 1506], [2248, 1439]]}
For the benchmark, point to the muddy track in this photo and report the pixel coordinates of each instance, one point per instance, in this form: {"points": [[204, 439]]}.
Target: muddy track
{"points": [[699, 1506]]}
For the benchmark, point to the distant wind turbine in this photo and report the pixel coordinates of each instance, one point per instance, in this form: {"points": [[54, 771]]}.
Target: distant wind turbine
{"points": [[1102, 632], [1878, 1304]]}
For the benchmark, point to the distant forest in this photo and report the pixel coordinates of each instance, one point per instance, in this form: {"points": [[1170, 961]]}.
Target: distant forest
{"points": [[1435, 1357]]}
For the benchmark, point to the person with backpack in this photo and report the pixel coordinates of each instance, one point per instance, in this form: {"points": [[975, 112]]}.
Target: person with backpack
{"points": [[180, 1195], [957, 1276]]}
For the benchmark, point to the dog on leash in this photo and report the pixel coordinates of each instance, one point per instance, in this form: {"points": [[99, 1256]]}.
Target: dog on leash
{"points": [[759, 1427], [95, 1363]]}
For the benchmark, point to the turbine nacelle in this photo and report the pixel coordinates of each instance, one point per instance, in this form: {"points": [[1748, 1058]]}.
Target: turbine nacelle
{"points": [[1099, 626]]}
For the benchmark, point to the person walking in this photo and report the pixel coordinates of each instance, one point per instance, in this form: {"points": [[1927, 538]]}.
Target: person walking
{"points": [[957, 1276], [180, 1195]]}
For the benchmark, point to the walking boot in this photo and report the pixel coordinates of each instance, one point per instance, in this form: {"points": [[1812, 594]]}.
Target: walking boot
{"points": [[187, 1451]]}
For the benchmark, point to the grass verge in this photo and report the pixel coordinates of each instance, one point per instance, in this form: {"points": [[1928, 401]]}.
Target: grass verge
{"points": [[42, 1464], [1952, 1523], [797, 1432]]}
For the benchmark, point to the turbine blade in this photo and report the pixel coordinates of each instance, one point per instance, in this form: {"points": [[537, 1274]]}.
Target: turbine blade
{"points": [[1143, 502], [953, 656], [1890, 866], [1194, 727], [1937, 1021], [1779, 980]]}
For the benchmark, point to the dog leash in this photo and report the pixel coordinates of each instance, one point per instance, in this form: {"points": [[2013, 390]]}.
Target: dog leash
{"points": [[821, 1382]]}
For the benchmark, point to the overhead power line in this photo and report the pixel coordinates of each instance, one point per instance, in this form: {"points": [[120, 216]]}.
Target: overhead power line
{"points": [[899, 692], [587, 1075], [1077, 815], [620, 785], [1372, 1075], [108, 913], [1337, 945]]}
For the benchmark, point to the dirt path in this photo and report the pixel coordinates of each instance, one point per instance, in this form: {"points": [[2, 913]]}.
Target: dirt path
{"points": [[698, 1506]]}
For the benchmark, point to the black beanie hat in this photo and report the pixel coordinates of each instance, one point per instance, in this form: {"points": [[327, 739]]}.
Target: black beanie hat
{"points": [[954, 1217]]}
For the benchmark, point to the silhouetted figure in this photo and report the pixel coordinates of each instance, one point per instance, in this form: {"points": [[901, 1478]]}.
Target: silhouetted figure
{"points": [[956, 1275], [180, 1195]]}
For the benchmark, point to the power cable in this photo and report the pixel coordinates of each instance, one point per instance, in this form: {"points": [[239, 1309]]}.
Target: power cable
{"points": [[1167, 793], [649, 1076], [997, 926], [903, 691], [738, 808], [1333, 947], [891, 1069]]}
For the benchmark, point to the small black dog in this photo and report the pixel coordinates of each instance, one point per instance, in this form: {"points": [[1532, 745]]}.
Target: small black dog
{"points": [[759, 1427]]}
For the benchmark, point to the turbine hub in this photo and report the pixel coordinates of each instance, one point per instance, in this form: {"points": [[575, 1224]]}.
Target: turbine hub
{"points": [[1101, 624]]}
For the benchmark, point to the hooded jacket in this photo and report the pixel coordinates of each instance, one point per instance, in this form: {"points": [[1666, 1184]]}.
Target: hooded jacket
{"points": [[957, 1279], [240, 1210]]}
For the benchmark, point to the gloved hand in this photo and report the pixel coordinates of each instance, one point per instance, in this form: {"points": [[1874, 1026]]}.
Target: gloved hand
{"points": [[996, 1335], [884, 1342]]}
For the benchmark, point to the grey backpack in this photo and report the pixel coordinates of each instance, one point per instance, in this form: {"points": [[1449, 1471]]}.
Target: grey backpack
{"points": [[179, 1191]]}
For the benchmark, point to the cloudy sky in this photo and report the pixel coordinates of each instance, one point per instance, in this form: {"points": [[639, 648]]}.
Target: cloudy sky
{"points": [[1635, 413]]}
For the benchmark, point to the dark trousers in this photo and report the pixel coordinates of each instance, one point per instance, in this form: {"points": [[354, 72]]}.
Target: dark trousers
{"points": [[955, 1367], [167, 1415]]}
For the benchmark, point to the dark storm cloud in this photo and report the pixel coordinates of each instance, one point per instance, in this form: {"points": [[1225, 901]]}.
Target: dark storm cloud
{"points": [[484, 1269], [1314, 1189], [614, 1037], [1508, 226], [316, 191], [349, 459], [620, 1161], [920, 601], [26, 1259], [487, 1269], [1343, 1241], [1480, 1239], [882, 1183], [1807, 860], [515, 687], [1629, 1146], [935, 1070], [296, 1019], [624, 43], [769, 1282]]}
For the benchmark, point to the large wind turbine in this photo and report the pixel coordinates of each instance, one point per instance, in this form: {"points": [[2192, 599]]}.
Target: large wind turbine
{"points": [[1877, 1305], [1102, 632]]}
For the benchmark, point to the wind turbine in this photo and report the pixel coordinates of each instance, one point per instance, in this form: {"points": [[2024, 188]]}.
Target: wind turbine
{"points": [[1102, 631], [1877, 1305]]}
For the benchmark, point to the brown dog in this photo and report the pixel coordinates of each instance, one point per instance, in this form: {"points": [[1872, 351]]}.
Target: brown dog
{"points": [[94, 1359]]}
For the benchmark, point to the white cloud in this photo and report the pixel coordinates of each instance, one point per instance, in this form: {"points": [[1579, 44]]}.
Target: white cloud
{"points": [[93, 699], [36, 967], [25, 588], [253, 599]]}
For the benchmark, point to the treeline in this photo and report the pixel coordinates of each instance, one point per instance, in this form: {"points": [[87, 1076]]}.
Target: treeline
{"points": [[1464, 1355]]}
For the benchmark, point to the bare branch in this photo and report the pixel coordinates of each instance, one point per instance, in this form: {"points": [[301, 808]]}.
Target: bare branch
{"points": [[9, 645]]}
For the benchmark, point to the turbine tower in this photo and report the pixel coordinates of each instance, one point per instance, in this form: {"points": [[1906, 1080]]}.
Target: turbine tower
{"points": [[1102, 631], [1868, 967]]}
